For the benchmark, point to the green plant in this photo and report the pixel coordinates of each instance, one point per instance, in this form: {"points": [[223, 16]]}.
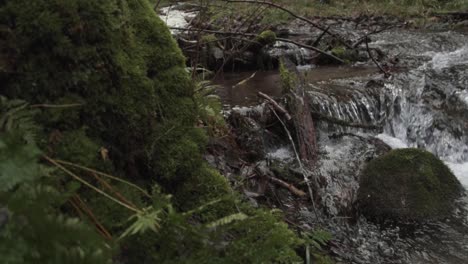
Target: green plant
{"points": [[314, 242], [40, 231], [288, 80]]}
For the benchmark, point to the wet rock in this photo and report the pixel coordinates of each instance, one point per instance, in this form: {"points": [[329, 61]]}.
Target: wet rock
{"points": [[343, 157]]}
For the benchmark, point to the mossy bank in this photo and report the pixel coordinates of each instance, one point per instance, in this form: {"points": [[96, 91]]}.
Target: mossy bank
{"points": [[113, 94]]}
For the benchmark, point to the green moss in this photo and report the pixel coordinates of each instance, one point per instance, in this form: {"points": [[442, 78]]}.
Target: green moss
{"points": [[347, 55], [267, 37], [407, 184], [119, 62], [119, 59], [274, 242], [288, 79]]}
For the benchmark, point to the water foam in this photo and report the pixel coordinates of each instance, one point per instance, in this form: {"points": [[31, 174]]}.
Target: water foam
{"points": [[175, 18], [443, 60]]}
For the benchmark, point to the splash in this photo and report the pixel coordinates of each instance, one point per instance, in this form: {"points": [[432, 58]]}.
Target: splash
{"points": [[444, 60], [173, 17]]}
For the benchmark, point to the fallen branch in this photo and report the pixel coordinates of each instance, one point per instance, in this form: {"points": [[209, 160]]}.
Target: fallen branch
{"points": [[312, 23], [317, 41], [377, 31], [275, 105], [288, 186], [301, 165], [386, 74], [341, 122], [312, 48], [255, 35]]}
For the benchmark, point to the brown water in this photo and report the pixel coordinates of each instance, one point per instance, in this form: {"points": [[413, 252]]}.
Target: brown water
{"points": [[235, 92]]}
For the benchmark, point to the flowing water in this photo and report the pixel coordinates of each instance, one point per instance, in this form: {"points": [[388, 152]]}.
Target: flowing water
{"points": [[424, 104]]}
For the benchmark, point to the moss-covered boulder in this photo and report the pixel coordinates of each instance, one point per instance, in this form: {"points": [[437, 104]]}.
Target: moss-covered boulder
{"points": [[407, 184], [107, 77]]}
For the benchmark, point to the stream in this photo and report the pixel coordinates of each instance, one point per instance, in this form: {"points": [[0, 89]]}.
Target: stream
{"points": [[424, 104]]}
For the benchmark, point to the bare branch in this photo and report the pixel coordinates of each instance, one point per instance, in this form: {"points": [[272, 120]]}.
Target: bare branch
{"points": [[312, 23], [386, 74], [275, 105], [288, 186], [255, 35]]}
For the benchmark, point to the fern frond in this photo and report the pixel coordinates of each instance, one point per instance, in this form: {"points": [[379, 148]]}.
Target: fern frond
{"points": [[227, 220], [147, 219]]}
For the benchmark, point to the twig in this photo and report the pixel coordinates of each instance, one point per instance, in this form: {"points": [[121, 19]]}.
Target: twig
{"points": [[288, 186], [294, 15], [386, 74], [103, 174], [52, 161], [255, 35], [312, 48], [317, 41], [79, 204], [301, 166], [115, 192], [156, 7], [363, 39], [275, 105], [54, 105]]}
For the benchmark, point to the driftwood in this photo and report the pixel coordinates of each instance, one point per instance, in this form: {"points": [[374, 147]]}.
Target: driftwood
{"points": [[275, 105], [288, 186]]}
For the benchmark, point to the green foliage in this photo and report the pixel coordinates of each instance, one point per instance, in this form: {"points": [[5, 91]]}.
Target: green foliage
{"points": [[417, 185], [36, 231], [314, 242], [317, 239], [118, 61], [288, 80], [209, 105]]}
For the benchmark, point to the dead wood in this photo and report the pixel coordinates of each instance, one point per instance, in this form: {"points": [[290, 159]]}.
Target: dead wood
{"points": [[293, 189], [255, 35], [277, 106], [312, 23], [386, 74]]}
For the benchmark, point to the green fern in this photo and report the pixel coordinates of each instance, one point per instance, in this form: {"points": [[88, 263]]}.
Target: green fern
{"points": [[18, 151], [317, 239], [35, 230]]}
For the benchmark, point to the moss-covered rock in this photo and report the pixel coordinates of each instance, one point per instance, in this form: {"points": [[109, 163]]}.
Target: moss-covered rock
{"points": [[119, 59], [407, 184], [116, 63], [267, 37]]}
